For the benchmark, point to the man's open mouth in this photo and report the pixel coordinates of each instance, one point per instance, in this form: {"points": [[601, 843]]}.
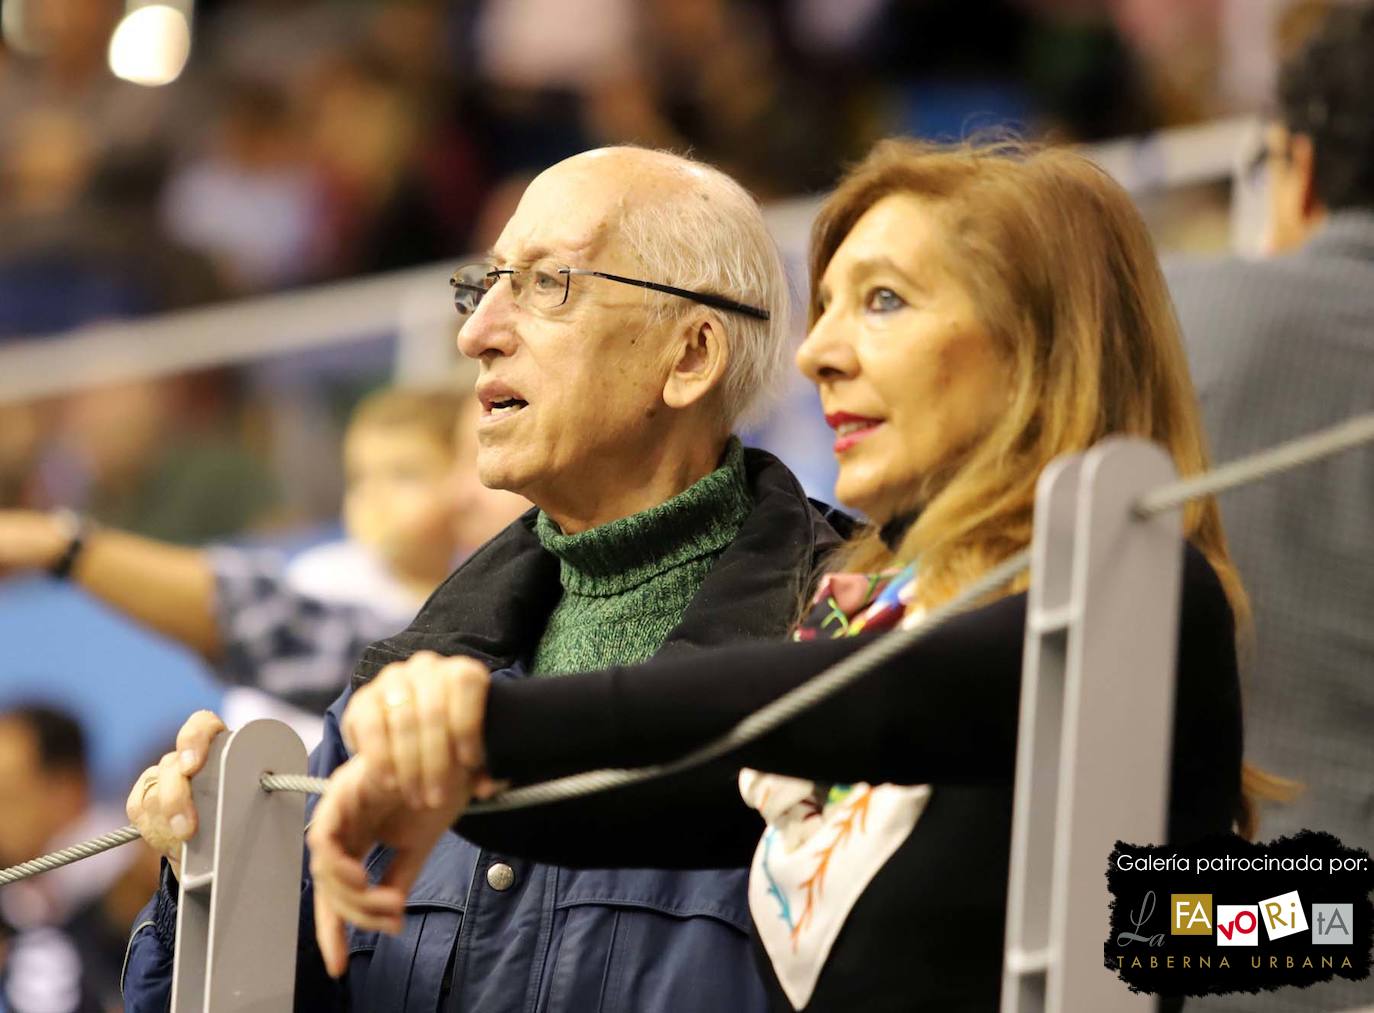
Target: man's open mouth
{"points": [[499, 399]]}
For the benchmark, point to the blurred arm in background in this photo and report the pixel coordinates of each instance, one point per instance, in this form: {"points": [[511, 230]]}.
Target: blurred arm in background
{"points": [[413, 505], [234, 607], [169, 588]]}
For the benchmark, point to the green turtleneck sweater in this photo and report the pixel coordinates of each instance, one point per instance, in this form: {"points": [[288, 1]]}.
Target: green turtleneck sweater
{"points": [[627, 583]]}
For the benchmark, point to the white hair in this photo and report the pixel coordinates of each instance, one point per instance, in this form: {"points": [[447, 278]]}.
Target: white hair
{"points": [[709, 236]]}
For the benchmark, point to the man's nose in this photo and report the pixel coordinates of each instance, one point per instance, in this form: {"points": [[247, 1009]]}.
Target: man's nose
{"points": [[490, 329]]}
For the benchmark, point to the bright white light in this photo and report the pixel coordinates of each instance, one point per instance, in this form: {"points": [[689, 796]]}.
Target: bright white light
{"points": [[151, 45]]}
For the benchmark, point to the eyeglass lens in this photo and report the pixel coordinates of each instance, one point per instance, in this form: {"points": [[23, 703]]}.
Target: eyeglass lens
{"points": [[543, 285]]}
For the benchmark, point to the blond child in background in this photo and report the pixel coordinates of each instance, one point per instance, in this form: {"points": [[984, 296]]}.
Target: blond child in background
{"points": [[413, 506], [399, 512]]}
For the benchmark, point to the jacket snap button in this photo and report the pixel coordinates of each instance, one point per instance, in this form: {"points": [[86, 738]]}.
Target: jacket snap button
{"points": [[500, 876]]}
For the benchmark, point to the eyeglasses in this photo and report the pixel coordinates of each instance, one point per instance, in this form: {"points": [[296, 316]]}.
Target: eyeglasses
{"points": [[1262, 149], [1258, 161], [544, 285]]}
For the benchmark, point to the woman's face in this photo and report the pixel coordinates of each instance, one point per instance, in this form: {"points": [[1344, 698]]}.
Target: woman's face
{"points": [[908, 377]]}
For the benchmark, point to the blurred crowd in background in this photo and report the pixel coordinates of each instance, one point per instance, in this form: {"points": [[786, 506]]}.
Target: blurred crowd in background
{"points": [[317, 139], [310, 140]]}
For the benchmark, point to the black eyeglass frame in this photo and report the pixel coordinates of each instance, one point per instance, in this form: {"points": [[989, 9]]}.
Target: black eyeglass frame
{"points": [[719, 302], [1259, 160]]}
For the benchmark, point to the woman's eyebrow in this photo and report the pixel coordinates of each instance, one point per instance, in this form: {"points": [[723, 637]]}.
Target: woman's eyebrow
{"points": [[873, 265]]}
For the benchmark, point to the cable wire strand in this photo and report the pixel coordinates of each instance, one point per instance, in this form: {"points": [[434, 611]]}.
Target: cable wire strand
{"points": [[1286, 456], [57, 859], [1294, 454], [294, 782], [1347, 435]]}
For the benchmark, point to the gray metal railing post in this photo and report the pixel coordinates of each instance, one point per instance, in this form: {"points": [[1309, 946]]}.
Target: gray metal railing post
{"points": [[1096, 719], [239, 908]]}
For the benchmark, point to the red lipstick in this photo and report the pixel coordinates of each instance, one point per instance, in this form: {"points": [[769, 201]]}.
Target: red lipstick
{"points": [[850, 428]]}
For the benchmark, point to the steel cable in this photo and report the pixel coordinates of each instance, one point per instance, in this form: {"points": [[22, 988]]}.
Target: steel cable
{"points": [[1285, 457]]}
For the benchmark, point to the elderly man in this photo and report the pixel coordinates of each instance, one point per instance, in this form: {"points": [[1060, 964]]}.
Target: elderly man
{"points": [[632, 312]]}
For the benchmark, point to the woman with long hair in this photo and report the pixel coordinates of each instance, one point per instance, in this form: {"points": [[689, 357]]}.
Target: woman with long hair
{"points": [[976, 311]]}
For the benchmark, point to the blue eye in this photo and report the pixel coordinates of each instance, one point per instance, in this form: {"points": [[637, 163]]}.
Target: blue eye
{"points": [[883, 300]]}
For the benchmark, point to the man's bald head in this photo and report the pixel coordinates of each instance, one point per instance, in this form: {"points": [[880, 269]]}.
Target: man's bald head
{"points": [[679, 222], [642, 170], [590, 194], [612, 372]]}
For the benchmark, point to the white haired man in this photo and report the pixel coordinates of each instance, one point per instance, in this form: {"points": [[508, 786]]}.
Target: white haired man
{"points": [[631, 313]]}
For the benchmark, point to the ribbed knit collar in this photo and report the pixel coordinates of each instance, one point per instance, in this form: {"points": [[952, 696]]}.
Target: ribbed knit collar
{"points": [[699, 521]]}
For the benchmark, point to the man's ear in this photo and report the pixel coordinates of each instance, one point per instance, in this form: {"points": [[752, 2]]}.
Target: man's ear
{"points": [[700, 356], [1303, 159]]}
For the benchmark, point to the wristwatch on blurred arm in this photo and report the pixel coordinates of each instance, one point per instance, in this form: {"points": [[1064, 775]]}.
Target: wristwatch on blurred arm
{"points": [[76, 528]]}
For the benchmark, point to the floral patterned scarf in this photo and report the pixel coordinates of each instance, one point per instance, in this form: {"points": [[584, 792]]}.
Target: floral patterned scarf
{"points": [[825, 843]]}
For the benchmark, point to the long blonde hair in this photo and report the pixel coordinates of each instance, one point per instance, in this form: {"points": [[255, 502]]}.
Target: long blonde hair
{"points": [[1066, 282]]}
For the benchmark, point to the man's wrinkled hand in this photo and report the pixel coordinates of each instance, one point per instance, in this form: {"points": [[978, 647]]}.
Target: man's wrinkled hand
{"points": [[160, 803], [358, 811], [418, 721]]}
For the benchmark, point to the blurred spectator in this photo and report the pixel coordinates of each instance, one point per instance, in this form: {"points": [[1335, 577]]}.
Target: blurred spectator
{"points": [[714, 75], [78, 242], [533, 45], [360, 137], [88, 264], [20, 437], [68, 77], [411, 38], [238, 609], [154, 457], [278, 41], [42, 779], [705, 75], [65, 930], [1180, 45], [1088, 83], [50, 161], [399, 510], [367, 133], [253, 203], [954, 67], [1281, 347], [81, 159]]}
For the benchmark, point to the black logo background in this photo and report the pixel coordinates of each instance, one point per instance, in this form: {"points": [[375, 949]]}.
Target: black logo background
{"points": [[1128, 889]]}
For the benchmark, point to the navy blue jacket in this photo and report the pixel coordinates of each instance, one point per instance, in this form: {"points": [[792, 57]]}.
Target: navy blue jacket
{"points": [[555, 939]]}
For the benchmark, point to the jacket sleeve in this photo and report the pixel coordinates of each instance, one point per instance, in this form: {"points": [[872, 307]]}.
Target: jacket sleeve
{"points": [[147, 978], [146, 981], [942, 711]]}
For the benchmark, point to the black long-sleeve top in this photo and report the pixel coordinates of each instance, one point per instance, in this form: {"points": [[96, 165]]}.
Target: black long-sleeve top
{"points": [[928, 931]]}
